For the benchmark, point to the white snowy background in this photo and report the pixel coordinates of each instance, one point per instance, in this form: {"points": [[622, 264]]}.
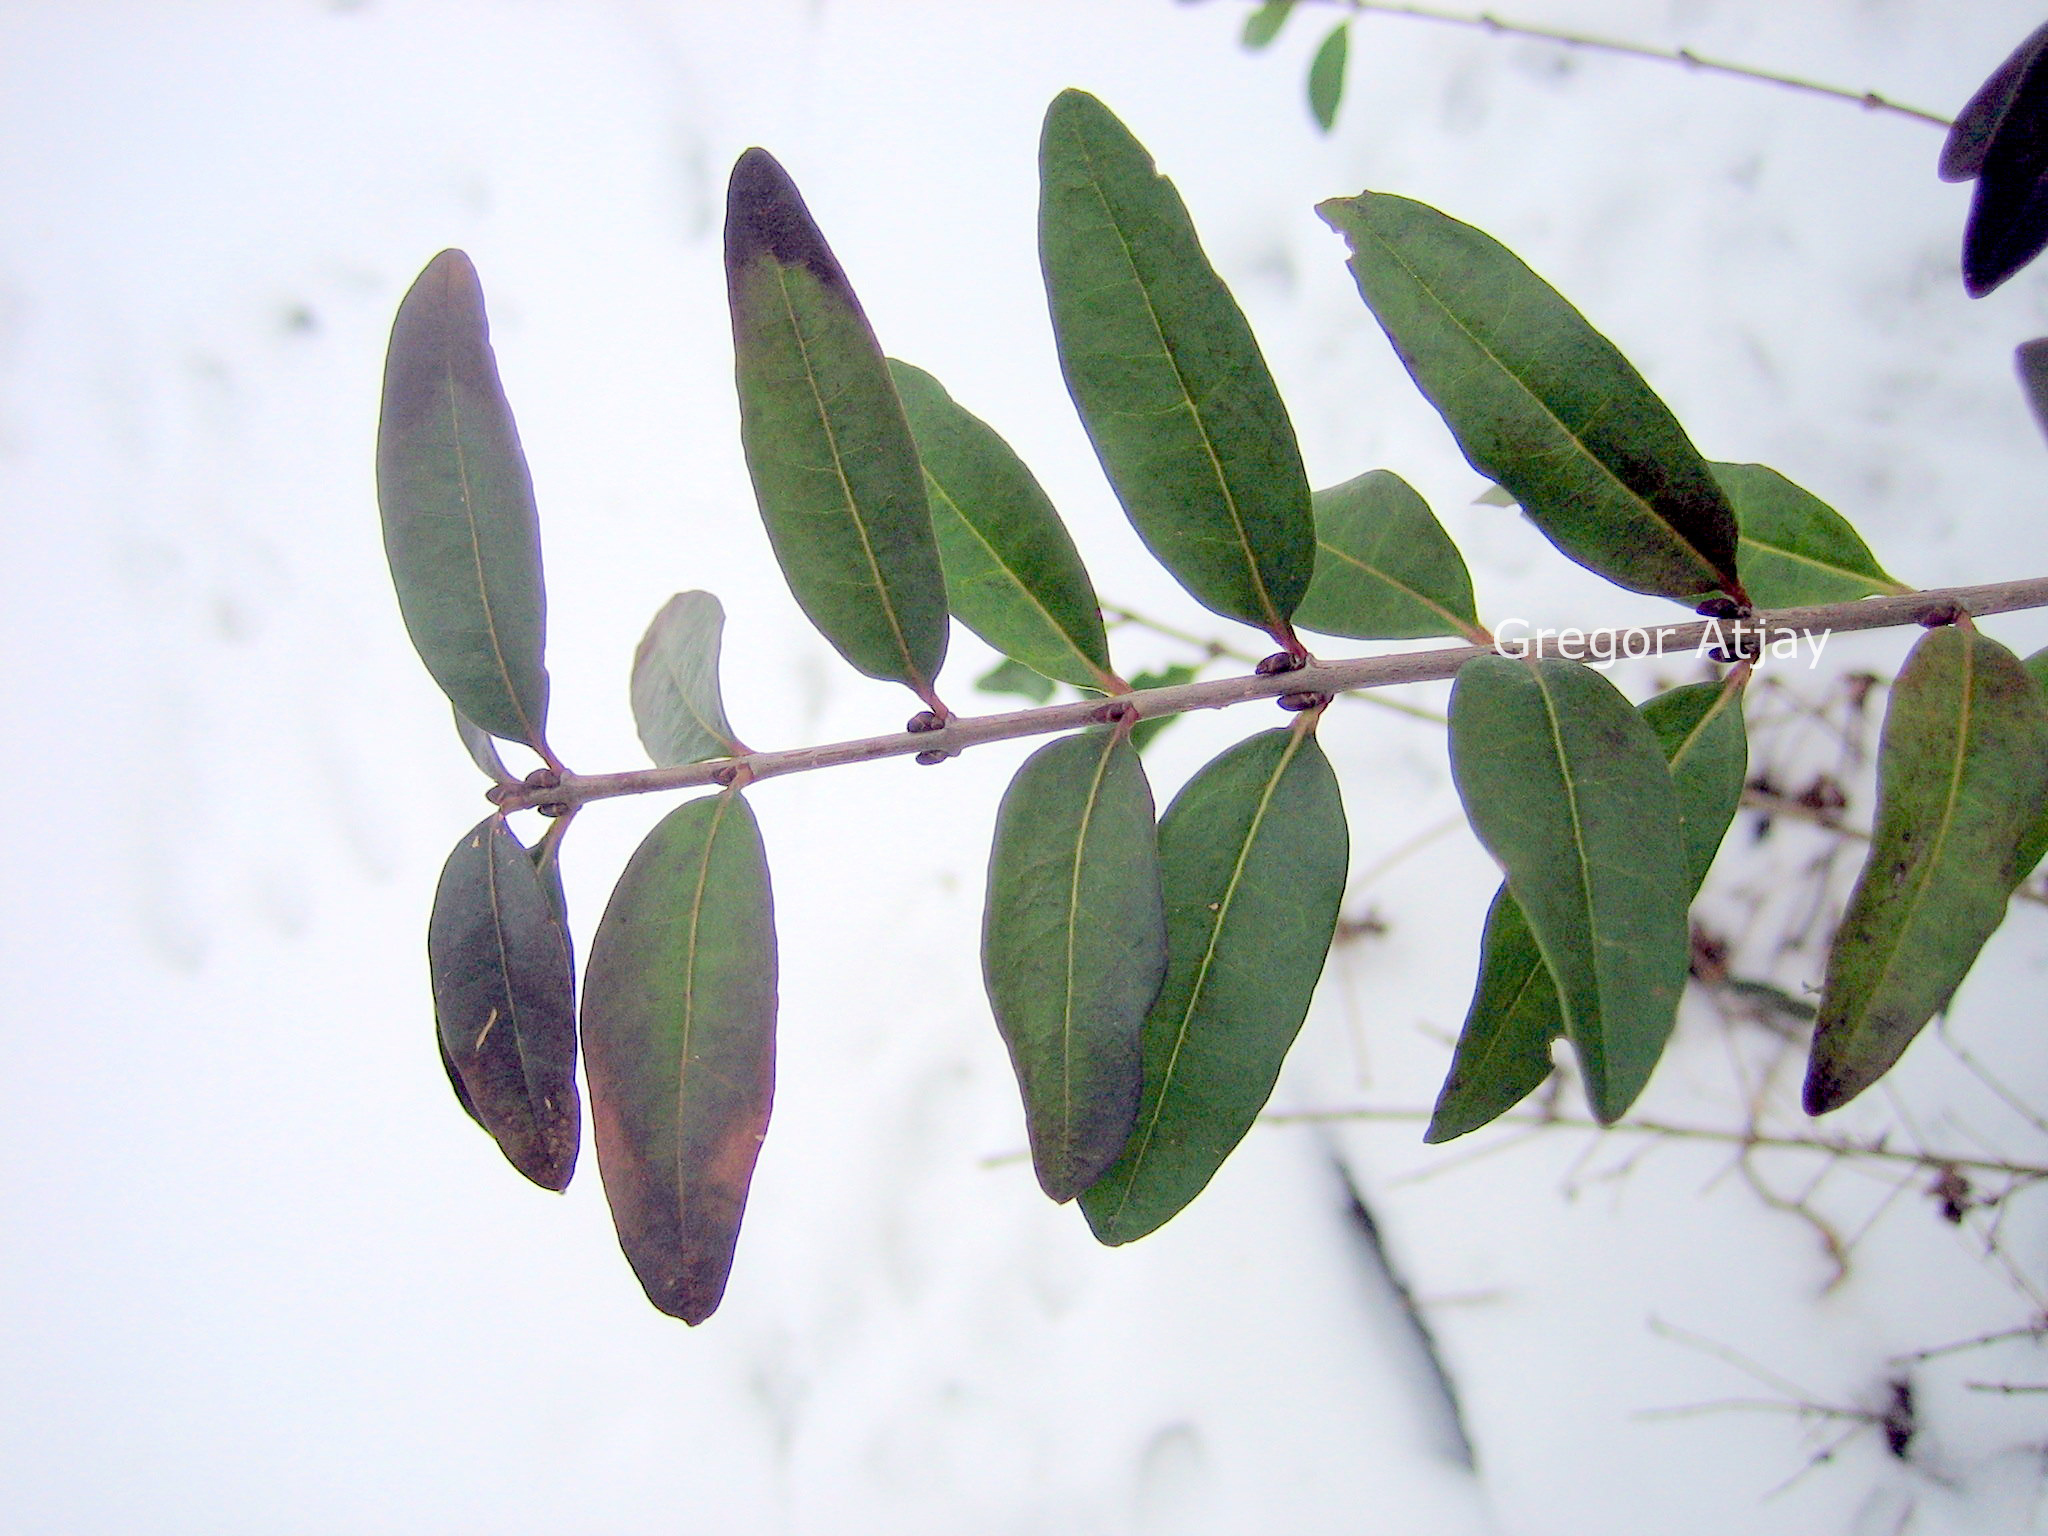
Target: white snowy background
{"points": [[258, 1275]]}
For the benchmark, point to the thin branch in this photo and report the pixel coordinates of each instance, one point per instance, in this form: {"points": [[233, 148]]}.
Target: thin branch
{"points": [[1825, 1145], [1347, 676], [1485, 21]]}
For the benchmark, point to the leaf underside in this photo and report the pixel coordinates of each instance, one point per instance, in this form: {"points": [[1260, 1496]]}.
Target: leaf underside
{"points": [[460, 530], [835, 471], [1074, 948], [504, 1002], [677, 705], [679, 1047], [1540, 401], [1962, 775], [1253, 852], [1169, 382]]}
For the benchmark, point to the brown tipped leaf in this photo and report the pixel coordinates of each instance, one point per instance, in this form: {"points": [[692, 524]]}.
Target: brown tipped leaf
{"points": [[679, 1047], [504, 1002], [460, 529], [835, 471]]}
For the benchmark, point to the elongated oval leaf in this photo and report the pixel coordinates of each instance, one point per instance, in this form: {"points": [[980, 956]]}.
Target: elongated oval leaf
{"points": [[1326, 76], [505, 1002], [1962, 154], [834, 467], [679, 1047], [1013, 575], [1540, 401], [1566, 787], [1168, 379], [1503, 1052], [677, 706], [1796, 549], [460, 529], [1264, 24], [1962, 773], [1074, 948], [1385, 568], [1254, 853]]}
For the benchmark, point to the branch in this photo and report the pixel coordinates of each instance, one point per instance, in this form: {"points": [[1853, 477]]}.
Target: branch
{"points": [[1485, 21], [1826, 1145], [1887, 612]]}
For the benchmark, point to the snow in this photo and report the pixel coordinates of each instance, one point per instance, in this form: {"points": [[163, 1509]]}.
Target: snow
{"points": [[259, 1275]]}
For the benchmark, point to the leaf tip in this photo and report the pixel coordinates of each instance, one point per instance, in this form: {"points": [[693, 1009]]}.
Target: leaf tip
{"points": [[765, 215]]}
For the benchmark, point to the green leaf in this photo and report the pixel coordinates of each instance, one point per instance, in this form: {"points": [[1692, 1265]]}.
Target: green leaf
{"points": [[1540, 401], [1796, 550], [1566, 787], [505, 1002], [677, 707], [1385, 568], [1961, 776], [1013, 677], [460, 529], [1326, 76], [1700, 730], [1013, 575], [835, 470], [2034, 844], [1169, 677], [1074, 948], [1254, 853], [1167, 377], [679, 1047], [1503, 1052], [1264, 24], [482, 748]]}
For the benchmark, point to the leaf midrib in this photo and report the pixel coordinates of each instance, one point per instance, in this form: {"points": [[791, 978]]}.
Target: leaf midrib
{"points": [[1950, 801], [1666, 529], [1202, 967], [1274, 618], [1044, 613], [695, 923], [1073, 945], [1880, 582], [476, 556], [1458, 624], [884, 598], [1585, 881]]}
